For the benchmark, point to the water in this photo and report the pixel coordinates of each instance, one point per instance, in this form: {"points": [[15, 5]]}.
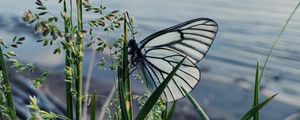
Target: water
{"points": [[247, 30]]}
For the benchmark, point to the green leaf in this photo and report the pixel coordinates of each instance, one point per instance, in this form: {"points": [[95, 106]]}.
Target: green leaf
{"points": [[21, 39], [157, 93], [14, 45], [51, 19], [19, 43], [46, 32], [11, 53], [42, 13], [46, 42], [51, 42], [115, 11], [15, 38], [57, 51], [42, 8], [39, 3], [89, 44], [2, 42], [40, 40], [201, 112], [256, 91], [255, 109]]}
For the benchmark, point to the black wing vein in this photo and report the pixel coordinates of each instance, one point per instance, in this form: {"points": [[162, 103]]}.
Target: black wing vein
{"points": [[167, 47]]}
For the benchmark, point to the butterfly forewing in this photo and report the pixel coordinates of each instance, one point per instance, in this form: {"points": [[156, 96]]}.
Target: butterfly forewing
{"points": [[192, 38], [163, 50]]}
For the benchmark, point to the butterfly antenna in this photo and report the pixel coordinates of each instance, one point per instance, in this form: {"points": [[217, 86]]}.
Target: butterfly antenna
{"points": [[129, 23]]}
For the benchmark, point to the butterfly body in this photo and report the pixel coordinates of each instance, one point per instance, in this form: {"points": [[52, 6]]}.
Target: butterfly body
{"points": [[157, 55]]}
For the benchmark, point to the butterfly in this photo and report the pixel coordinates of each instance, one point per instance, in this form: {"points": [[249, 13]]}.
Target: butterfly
{"points": [[157, 55]]}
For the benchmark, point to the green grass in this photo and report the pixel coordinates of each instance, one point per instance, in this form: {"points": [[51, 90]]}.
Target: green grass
{"points": [[157, 93], [124, 80], [200, 111], [79, 61], [68, 77], [94, 106], [7, 88], [256, 90], [72, 42]]}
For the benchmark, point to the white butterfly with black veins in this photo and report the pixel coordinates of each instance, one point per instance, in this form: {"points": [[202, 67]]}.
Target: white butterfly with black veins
{"points": [[157, 55]]}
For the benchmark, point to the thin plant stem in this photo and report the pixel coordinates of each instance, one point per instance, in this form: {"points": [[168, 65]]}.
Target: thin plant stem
{"points": [[68, 64], [71, 13], [113, 90], [277, 40], [8, 93], [107, 101], [88, 79], [79, 62]]}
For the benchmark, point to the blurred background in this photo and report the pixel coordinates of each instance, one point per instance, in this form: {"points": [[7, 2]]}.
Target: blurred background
{"points": [[247, 30]]}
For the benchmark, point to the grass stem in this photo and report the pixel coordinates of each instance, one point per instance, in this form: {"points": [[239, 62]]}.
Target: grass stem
{"points": [[69, 98], [8, 93], [126, 77], [79, 62]]}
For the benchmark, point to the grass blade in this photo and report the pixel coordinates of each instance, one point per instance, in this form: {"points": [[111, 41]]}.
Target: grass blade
{"points": [[255, 109], [124, 80], [172, 111], [126, 77], [94, 106], [201, 112], [8, 92], [256, 91], [277, 40], [157, 93], [259, 77], [122, 98]]}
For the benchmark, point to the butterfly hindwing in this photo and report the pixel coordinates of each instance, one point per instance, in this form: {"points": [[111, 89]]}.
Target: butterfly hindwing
{"points": [[163, 50], [155, 69]]}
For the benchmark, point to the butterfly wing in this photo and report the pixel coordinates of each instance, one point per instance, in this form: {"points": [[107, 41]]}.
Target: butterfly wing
{"points": [[163, 50], [192, 38]]}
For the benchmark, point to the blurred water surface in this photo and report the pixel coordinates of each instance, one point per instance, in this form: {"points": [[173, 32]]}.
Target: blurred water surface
{"points": [[247, 30]]}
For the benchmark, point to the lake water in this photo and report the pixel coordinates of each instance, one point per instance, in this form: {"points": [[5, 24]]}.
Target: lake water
{"points": [[247, 30]]}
